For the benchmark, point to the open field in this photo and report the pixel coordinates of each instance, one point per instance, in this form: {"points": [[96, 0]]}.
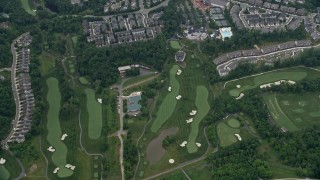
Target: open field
{"points": [[134, 80], [294, 111], [294, 74], [27, 7], [226, 134], [203, 109], [169, 103], [175, 44], [84, 81], [95, 115], [59, 157]]}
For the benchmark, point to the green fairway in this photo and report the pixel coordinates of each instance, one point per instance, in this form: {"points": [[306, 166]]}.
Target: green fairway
{"points": [[175, 44], [83, 81], [26, 6], [278, 115], [95, 115], [74, 40], [203, 109], [169, 103], [4, 173], [226, 134], [256, 81], [233, 123], [59, 157]]}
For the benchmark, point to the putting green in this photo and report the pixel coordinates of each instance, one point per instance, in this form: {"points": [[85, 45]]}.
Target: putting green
{"points": [[253, 82], [203, 109], [278, 115], [95, 115], [4, 173], [233, 123], [226, 134], [26, 6], [83, 81], [169, 103], [175, 44], [59, 157]]}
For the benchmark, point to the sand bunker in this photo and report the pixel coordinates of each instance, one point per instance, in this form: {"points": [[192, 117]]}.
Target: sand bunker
{"points": [[171, 161], [238, 136], [240, 96], [169, 89], [51, 149], [2, 161], [184, 143], [99, 100], [155, 151], [193, 112], [277, 83], [55, 171], [69, 166], [63, 137], [238, 86], [179, 72], [189, 120], [178, 97], [198, 144]]}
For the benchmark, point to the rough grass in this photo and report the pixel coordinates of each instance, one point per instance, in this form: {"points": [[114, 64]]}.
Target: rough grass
{"points": [[47, 63], [83, 81], [175, 44], [95, 115], [4, 173], [226, 134], [59, 157], [169, 103], [234, 123], [26, 6], [203, 109], [256, 81], [278, 115]]}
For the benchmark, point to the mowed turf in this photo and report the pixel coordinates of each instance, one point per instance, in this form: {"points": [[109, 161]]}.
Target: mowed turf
{"points": [[26, 6], [175, 44], [169, 103], [233, 123], [83, 81], [4, 173], [256, 81], [59, 157], [278, 115], [202, 110], [226, 134], [95, 115]]}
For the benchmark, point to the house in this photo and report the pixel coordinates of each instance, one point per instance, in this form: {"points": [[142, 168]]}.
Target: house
{"points": [[303, 43], [123, 69], [180, 56], [270, 49]]}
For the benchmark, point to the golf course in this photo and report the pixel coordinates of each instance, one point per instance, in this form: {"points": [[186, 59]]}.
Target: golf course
{"points": [[203, 109], [169, 103], [26, 6], [95, 115], [4, 173], [59, 156], [175, 44], [226, 134]]}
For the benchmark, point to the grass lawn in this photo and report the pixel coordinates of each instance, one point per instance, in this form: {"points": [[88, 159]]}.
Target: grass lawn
{"points": [[294, 74], [26, 6], [4, 173], [47, 62], [59, 157], [74, 40], [203, 109], [169, 103], [278, 115], [134, 80], [95, 115], [84, 81], [226, 134], [175, 44], [234, 123]]}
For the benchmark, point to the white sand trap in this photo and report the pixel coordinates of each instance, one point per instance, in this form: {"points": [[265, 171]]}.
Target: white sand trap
{"points": [[171, 161], [193, 112], [238, 136], [238, 86], [169, 88], [2, 161], [63, 137], [99, 100], [184, 143], [178, 97], [198, 144], [51, 149], [189, 120], [291, 82], [277, 83], [179, 72], [240, 96], [55, 171], [69, 166]]}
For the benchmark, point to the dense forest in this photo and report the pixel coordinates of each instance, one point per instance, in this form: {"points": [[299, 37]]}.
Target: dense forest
{"points": [[7, 108]]}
